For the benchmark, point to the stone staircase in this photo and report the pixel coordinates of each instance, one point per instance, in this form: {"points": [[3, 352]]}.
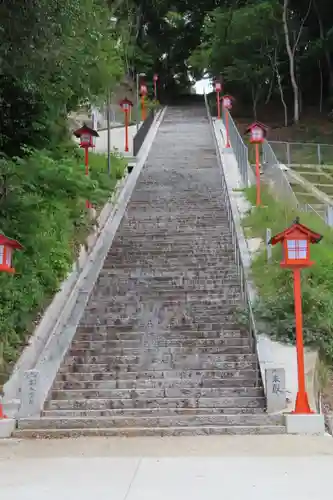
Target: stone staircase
{"points": [[159, 350]]}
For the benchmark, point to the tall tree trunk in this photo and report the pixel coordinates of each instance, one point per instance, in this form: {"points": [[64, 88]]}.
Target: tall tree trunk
{"points": [[270, 90], [291, 56], [321, 87], [326, 51]]}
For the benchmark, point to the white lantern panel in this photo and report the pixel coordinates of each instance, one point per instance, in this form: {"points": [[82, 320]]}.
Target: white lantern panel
{"points": [[85, 138], [8, 256], [297, 249], [218, 87], [2, 250], [257, 134], [227, 102], [125, 106]]}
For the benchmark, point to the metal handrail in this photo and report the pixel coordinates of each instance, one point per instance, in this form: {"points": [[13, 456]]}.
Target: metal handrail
{"points": [[239, 149], [237, 252]]}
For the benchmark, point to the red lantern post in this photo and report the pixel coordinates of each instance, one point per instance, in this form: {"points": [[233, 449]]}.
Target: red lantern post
{"points": [[143, 93], [227, 104], [296, 241], [87, 140], [218, 89], [155, 78], [7, 245], [126, 106], [257, 132]]}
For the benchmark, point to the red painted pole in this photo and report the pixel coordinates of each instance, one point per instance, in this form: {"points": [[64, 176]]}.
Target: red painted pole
{"points": [[227, 128], [218, 105], [86, 162], [143, 109], [155, 90], [126, 130], [302, 402], [258, 200]]}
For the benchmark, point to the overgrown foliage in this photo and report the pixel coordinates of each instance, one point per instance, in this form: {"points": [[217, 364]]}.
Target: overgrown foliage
{"points": [[266, 51], [42, 204], [53, 56], [274, 309]]}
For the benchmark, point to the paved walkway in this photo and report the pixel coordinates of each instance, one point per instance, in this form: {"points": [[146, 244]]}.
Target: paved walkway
{"points": [[199, 468]]}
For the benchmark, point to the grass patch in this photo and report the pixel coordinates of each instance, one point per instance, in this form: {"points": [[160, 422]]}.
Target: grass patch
{"points": [[43, 206], [274, 308]]}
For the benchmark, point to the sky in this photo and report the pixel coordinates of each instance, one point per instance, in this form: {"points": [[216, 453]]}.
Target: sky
{"points": [[203, 85]]}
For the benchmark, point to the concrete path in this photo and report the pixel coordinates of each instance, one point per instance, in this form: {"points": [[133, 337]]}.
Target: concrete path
{"points": [[273, 467], [117, 140]]}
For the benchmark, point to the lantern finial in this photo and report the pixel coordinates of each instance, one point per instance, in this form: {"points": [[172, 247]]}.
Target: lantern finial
{"points": [[297, 220]]}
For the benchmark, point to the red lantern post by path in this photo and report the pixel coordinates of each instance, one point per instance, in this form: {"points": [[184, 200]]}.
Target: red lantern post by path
{"points": [[87, 137], [155, 78], [126, 106], [258, 133], [7, 245], [218, 90], [295, 241], [227, 105], [143, 93]]}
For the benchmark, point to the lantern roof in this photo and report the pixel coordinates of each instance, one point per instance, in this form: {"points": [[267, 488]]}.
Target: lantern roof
{"points": [[86, 130], [256, 124], [296, 230], [125, 101], [10, 242]]}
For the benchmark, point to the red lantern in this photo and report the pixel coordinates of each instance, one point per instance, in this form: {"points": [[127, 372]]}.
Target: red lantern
{"points": [[296, 241], [257, 132], [86, 135], [155, 77], [143, 89], [218, 87], [227, 101], [7, 245], [227, 104], [87, 138], [126, 106]]}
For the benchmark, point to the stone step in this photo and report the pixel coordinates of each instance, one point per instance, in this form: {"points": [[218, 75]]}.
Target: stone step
{"points": [[149, 422], [179, 269], [85, 382], [56, 433], [123, 333], [170, 319], [159, 375], [149, 288], [168, 303], [159, 359], [155, 374], [137, 309], [162, 341], [121, 368], [135, 276], [163, 263], [98, 348], [106, 403], [200, 246], [144, 394], [151, 412]]}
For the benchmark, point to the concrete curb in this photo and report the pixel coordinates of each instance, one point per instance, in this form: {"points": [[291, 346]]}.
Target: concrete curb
{"points": [[39, 363]]}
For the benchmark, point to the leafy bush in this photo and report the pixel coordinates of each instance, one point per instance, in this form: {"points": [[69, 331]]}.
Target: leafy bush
{"points": [[42, 204], [274, 309]]}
